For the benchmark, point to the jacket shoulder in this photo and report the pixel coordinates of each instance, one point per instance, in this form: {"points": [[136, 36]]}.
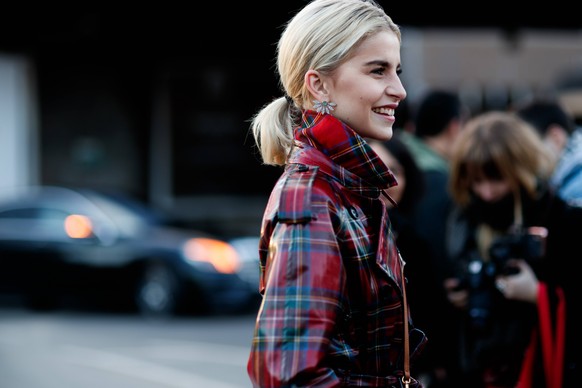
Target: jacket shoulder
{"points": [[297, 193]]}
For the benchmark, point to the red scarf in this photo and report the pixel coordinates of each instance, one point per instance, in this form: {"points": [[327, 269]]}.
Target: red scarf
{"points": [[552, 346]]}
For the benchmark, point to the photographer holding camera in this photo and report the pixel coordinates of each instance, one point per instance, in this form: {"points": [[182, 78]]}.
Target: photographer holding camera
{"points": [[513, 249]]}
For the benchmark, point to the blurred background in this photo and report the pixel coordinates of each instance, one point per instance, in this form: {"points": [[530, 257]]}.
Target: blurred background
{"points": [[152, 103], [155, 102]]}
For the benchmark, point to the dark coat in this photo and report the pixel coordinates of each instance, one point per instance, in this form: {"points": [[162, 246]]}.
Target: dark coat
{"points": [[511, 322]]}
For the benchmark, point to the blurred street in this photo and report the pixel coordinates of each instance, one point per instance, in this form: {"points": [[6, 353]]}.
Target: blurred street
{"points": [[72, 348]]}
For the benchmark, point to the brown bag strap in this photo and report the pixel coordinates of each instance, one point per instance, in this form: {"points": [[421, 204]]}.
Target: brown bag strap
{"points": [[406, 379]]}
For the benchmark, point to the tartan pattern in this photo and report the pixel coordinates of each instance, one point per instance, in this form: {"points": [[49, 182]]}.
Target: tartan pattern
{"points": [[348, 150], [332, 311], [298, 199]]}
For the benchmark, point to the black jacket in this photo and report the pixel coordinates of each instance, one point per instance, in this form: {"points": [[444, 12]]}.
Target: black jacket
{"points": [[500, 342]]}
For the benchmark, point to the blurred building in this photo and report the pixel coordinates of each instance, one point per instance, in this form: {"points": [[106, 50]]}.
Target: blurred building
{"points": [[493, 68], [156, 102]]}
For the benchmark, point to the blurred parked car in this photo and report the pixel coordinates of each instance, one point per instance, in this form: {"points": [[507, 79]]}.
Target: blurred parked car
{"points": [[57, 241], [247, 248]]}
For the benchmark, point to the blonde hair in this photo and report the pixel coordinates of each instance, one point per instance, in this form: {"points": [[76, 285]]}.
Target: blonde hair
{"points": [[498, 145], [319, 37]]}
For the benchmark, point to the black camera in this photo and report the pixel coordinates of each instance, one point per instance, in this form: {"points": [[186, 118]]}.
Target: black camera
{"points": [[479, 275], [529, 244]]}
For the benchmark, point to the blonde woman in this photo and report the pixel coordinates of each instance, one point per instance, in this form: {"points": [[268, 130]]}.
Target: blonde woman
{"points": [[334, 311]]}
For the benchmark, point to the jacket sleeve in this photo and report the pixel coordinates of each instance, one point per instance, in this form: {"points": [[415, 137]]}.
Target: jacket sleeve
{"points": [[303, 279]]}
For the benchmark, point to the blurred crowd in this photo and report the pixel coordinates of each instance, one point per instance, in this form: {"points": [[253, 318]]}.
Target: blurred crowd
{"points": [[489, 209]]}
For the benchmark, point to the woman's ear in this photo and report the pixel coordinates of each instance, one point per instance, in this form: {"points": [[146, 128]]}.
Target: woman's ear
{"points": [[316, 86]]}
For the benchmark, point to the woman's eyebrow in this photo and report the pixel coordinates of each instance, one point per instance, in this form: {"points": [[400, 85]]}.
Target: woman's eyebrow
{"points": [[377, 62]]}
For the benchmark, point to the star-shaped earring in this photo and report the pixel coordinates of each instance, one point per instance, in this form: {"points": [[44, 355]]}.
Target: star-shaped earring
{"points": [[324, 107]]}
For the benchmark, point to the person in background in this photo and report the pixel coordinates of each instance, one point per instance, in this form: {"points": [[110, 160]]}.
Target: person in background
{"points": [[334, 310], [438, 120], [410, 188], [417, 254], [514, 243], [559, 132]]}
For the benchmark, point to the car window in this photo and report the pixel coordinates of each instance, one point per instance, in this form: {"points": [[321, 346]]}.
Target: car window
{"points": [[39, 224], [127, 220], [19, 213]]}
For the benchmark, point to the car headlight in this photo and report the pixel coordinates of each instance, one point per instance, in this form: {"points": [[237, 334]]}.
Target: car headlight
{"points": [[221, 255], [78, 226]]}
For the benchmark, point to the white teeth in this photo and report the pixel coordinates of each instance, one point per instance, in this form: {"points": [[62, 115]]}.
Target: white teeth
{"points": [[384, 111]]}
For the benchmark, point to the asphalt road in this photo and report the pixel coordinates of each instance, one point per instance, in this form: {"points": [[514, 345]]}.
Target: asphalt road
{"points": [[88, 349]]}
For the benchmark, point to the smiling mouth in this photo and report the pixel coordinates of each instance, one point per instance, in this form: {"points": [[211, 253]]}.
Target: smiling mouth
{"points": [[384, 111]]}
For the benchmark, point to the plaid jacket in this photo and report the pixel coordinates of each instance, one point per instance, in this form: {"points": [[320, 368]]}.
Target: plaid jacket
{"points": [[332, 311]]}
